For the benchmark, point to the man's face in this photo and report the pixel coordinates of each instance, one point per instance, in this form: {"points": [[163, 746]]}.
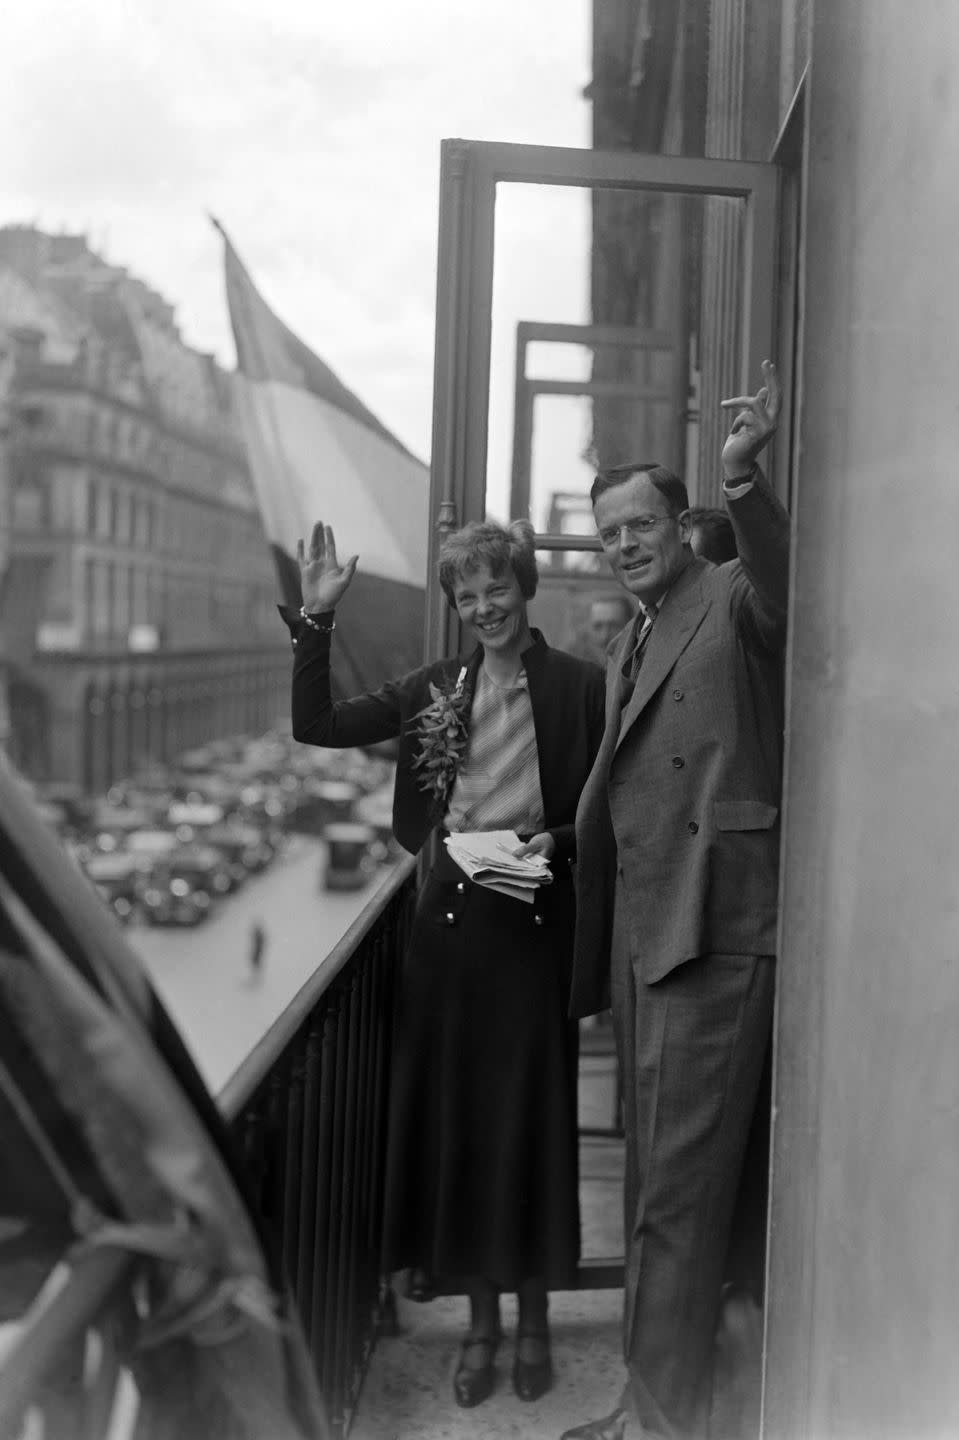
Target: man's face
{"points": [[647, 558], [606, 619]]}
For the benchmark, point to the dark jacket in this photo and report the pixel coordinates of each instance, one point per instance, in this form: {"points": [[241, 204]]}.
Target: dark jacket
{"points": [[567, 698]]}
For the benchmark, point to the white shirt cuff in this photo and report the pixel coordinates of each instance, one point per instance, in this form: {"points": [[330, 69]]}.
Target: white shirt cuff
{"points": [[733, 490]]}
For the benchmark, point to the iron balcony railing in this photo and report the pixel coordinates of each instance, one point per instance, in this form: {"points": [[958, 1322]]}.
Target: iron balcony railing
{"points": [[308, 1109], [308, 1113]]}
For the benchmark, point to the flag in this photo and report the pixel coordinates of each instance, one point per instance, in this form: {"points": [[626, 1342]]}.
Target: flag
{"points": [[317, 453]]}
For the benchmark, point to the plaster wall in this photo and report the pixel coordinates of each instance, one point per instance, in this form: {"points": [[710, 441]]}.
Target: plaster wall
{"points": [[863, 1323]]}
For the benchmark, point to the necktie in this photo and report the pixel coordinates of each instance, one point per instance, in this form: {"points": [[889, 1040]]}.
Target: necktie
{"points": [[635, 659]]}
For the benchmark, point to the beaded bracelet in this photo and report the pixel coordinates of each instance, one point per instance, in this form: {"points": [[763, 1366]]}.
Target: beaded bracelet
{"points": [[307, 618]]}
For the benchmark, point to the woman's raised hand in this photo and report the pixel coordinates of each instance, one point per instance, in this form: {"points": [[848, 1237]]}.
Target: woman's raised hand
{"points": [[324, 582]]}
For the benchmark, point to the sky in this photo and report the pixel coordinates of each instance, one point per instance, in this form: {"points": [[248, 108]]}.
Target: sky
{"points": [[312, 130]]}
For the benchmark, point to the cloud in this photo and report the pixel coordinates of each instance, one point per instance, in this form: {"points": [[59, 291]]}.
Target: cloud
{"points": [[312, 131]]}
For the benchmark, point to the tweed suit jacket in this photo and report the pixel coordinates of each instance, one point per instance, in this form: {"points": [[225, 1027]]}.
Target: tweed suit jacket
{"points": [[683, 798]]}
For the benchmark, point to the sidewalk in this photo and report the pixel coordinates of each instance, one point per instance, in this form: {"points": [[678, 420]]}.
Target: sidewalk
{"points": [[408, 1390]]}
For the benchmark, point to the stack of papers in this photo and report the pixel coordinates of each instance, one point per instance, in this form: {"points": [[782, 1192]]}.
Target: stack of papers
{"points": [[487, 857]]}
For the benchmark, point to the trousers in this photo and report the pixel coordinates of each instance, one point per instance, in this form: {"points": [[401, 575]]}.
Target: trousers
{"points": [[691, 1049]]}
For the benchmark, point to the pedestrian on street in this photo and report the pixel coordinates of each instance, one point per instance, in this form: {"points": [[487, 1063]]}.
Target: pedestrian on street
{"points": [[678, 844], [257, 947]]}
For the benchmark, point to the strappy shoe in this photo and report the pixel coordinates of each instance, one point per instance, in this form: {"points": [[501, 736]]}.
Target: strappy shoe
{"points": [[532, 1378], [472, 1385]]}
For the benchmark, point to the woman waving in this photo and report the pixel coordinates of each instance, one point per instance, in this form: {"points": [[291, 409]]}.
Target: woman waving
{"points": [[482, 1155]]}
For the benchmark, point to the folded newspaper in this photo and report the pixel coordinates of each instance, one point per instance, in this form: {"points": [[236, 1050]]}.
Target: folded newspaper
{"points": [[487, 857]]}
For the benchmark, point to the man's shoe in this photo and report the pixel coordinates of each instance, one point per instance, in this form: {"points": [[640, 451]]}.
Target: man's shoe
{"points": [[610, 1427], [532, 1378], [472, 1384]]}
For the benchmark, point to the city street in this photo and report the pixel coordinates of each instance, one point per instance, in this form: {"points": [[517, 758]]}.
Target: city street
{"points": [[204, 975]]}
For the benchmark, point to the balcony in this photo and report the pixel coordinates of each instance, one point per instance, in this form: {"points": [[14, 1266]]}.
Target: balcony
{"points": [[307, 1111]]}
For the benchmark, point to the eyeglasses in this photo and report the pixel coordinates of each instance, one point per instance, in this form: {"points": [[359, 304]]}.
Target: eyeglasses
{"points": [[639, 525]]}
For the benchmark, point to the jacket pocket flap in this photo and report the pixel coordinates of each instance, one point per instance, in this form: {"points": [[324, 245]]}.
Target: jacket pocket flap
{"points": [[744, 815]]}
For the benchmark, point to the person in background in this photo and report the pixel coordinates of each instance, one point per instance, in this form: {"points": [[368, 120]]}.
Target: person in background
{"points": [[713, 537], [256, 951], [482, 1173], [608, 614], [677, 888]]}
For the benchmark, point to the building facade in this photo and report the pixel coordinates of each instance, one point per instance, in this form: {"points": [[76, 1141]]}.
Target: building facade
{"points": [[137, 596], [722, 79], [856, 106]]}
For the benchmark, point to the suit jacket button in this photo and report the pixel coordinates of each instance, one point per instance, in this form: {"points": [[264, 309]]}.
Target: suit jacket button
{"points": [[693, 828], [461, 887], [678, 762], [537, 919], [677, 694], [450, 917]]}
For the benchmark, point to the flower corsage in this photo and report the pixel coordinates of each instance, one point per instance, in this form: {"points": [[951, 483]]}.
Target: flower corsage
{"points": [[443, 733]]}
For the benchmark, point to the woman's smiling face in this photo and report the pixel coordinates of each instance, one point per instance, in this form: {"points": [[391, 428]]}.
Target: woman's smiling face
{"points": [[492, 608]]}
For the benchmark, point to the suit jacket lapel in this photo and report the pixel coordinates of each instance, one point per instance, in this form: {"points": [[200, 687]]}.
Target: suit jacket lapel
{"points": [[679, 618]]}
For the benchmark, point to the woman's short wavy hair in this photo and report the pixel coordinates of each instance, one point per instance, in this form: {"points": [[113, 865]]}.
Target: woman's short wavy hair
{"points": [[499, 547]]}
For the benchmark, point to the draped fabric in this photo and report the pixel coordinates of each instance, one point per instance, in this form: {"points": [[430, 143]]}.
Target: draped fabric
{"points": [[112, 1144], [497, 786], [316, 452]]}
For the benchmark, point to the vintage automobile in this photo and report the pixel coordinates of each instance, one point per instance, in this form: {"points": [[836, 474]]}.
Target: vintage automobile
{"points": [[376, 810], [245, 846], [172, 899], [349, 863], [202, 866], [119, 879], [323, 802]]}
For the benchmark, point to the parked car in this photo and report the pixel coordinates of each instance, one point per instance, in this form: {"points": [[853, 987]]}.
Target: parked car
{"points": [[376, 810], [202, 866], [244, 845], [119, 879], [70, 800], [349, 862], [323, 802], [151, 845], [172, 899]]}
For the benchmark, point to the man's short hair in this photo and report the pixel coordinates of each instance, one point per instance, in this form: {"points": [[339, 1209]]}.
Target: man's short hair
{"points": [[499, 547], [718, 538], [669, 485]]}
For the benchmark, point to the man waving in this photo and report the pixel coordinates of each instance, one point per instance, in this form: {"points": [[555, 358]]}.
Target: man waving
{"points": [[678, 844]]}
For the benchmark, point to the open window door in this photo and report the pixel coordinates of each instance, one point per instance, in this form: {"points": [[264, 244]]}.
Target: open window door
{"points": [[591, 308]]}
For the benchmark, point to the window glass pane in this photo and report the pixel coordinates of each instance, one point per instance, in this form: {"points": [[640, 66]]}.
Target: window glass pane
{"points": [[604, 319]]}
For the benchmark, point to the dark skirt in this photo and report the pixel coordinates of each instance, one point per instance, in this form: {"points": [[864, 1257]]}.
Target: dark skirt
{"points": [[482, 1175]]}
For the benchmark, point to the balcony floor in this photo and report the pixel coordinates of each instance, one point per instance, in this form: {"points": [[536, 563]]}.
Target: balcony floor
{"points": [[407, 1394]]}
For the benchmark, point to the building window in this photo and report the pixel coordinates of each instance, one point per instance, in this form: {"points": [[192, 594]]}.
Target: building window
{"points": [[90, 595], [31, 496], [110, 596]]}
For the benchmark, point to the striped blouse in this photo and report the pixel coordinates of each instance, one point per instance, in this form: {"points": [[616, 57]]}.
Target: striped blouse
{"points": [[497, 785]]}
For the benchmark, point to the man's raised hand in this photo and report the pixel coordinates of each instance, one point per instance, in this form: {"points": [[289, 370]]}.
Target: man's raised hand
{"points": [[324, 582], [753, 426]]}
